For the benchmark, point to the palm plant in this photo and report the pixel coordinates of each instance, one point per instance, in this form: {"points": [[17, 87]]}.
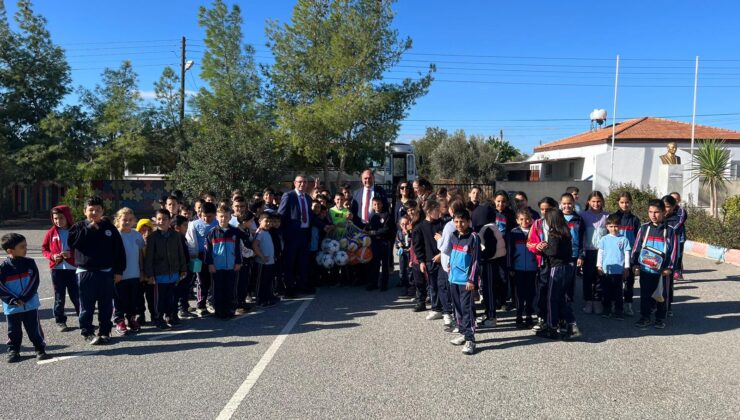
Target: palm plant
{"points": [[709, 165]]}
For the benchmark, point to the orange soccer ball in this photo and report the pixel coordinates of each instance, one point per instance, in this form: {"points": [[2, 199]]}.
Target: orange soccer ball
{"points": [[365, 254]]}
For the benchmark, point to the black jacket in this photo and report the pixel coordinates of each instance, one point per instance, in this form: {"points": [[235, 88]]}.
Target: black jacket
{"points": [[481, 215], [422, 238], [383, 226], [97, 249]]}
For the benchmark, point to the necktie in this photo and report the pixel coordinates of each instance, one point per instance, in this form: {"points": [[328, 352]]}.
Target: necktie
{"points": [[366, 207], [302, 204]]}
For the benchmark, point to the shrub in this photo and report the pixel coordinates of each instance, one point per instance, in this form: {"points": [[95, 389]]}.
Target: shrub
{"points": [[74, 197], [731, 209], [640, 198], [702, 227]]}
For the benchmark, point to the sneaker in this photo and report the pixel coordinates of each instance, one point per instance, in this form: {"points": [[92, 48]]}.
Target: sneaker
{"points": [[529, 322], [184, 314], [203, 312], [628, 309], [659, 324], [539, 326], [598, 308], [89, 338], [94, 340], [433, 315], [643, 323], [469, 348], [62, 327], [572, 332], [506, 307], [134, 325], [121, 328], [104, 339], [669, 314], [42, 355], [548, 333], [452, 329], [163, 325], [458, 341], [240, 311], [589, 308], [420, 307], [486, 323], [13, 356], [210, 308], [447, 319]]}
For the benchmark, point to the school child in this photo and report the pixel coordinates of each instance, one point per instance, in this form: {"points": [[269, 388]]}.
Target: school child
{"points": [[197, 209], [186, 211], [443, 280], [279, 285], [523, 265], [126, 299], [381, 232], [613, 263], [558, 255], [55, 248], [244, 285], [575, 224], [265, 262], [403, 242], [101, 261], [682, 216], [505, 221], [183, 287], [594, 222], [198, 230], [493, 267], [165, 265], [629, 224], [339, 214], [675, 219], [653, 259], [427, 255], [444, 209], [419, 277], [464, 250], [19, 284], [146, 290], [318, 274], [536, 243], [172, 204], [224, 258], [522, 203], [575, 193]]}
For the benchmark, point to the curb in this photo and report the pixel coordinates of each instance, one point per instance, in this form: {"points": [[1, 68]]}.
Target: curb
{"points": [[713, 252]]}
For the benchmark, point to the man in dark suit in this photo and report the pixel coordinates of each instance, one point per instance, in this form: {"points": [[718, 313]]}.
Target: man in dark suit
{"points": [[296, 219], [362, 199]]}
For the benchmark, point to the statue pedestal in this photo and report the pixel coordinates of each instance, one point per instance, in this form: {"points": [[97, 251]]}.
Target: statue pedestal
{"points": [[670, 178]]}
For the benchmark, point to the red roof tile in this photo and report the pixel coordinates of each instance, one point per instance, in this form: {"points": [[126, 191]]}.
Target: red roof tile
{"points": [[642, 129]]}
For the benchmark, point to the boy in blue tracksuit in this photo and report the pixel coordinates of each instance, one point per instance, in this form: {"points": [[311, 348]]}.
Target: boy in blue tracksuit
{"points": [[101, 261], [19, 283], [523, 265], [653, 258], [612, 261], [224, 259], [198, 230], [464, 251]]}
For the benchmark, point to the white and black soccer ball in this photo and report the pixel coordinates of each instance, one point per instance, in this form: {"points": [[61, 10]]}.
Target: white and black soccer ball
{"points": [[326, 245], [327, 261], [341, 258], [333, 246]]}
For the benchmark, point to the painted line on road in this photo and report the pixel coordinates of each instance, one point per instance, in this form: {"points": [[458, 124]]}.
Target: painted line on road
{"points": [[60, 358], [241, 393], [49, 298]]}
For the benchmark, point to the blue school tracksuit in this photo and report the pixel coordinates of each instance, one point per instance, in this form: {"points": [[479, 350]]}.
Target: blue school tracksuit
{"points": [[612, 249], [464, 268], [654, 250], [196, 236], [19, 281], [524, 264], [223, 251], [577, 230], [629, 224]]}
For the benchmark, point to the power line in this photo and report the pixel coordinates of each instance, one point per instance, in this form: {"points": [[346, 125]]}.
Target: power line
{"points": [[572, 119]]}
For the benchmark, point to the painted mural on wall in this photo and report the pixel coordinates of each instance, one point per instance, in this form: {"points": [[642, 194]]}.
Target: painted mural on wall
{"points": [[140, 196]]}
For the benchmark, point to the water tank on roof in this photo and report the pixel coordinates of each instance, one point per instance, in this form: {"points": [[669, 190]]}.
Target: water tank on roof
{"points": [[598, 118]]}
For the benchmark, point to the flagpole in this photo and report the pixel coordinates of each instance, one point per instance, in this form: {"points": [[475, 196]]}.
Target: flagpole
{"points": [[614, 123], [693, 134]]}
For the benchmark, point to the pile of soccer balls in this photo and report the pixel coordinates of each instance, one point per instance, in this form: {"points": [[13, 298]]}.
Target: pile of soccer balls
{"points": [[352, 251]]}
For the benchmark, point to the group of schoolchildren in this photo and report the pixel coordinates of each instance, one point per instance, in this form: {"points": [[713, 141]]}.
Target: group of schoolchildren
{"points": [[226, 256], [530, 261]]}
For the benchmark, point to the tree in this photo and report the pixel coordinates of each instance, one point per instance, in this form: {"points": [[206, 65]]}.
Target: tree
{"points": [[327, 81], [424, 147], [232, 146], [709, 165]]}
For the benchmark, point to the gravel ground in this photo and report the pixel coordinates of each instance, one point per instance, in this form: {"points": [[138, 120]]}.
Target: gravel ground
{"points": [[357, 354]]}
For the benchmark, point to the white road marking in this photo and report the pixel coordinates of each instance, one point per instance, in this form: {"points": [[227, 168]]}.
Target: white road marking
{"points": [[256, 372], [49, 298], [174, 333], [60, 358]]}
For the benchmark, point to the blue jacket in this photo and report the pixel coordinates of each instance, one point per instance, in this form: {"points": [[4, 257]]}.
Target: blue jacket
{"points": [[19, 280], [222, 248], [520, 257], [662, 238], [464, 258], [629, 224], [577, 230], [196, 236]]}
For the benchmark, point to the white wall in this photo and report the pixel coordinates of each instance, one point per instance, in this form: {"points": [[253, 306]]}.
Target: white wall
{"points": [[586, 152]]}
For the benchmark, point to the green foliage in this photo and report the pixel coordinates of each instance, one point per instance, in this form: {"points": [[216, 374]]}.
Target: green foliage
{"points": [[74, 197], [702, 227], [640, 198], [710, 166], [731, 209], [327, 81], [424, 147]]}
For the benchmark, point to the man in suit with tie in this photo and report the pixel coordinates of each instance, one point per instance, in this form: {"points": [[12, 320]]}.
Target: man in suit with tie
{"points": [[296, 220], [362, 210]]}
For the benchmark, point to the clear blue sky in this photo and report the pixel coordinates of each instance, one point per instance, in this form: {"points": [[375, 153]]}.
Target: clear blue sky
{"points": [[498, 62]]}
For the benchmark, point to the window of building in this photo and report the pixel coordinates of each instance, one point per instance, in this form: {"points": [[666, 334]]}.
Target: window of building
{"points": [[735, 169]]}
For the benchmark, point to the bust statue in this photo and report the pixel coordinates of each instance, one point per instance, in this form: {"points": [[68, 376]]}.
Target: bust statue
{"points": [[670, 158]]}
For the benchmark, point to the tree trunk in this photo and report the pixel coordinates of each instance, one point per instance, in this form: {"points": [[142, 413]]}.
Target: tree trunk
{"points": [[326, 171], [713, 198]]}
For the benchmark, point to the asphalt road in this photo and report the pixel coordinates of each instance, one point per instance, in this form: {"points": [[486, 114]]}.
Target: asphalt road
{"points": [[348, 353]]}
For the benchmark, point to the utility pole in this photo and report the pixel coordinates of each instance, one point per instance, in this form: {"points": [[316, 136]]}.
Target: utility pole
{"points": [[182, 81]]}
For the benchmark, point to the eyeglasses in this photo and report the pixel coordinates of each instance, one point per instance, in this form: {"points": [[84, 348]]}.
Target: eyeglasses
{"points": [[404, 187]]}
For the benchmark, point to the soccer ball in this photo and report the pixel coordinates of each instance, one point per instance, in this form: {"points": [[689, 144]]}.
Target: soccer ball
{"points": [[364, 240], [353, 245], [341, 258], [333, 247], [326, 245], [343, 244], [327, 261], [353, 258], [319, 257], [364, 255]]}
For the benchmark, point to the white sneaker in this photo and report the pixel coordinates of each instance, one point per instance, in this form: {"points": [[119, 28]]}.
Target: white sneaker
{"points": [[469, 348], [589, 308], [628, 309], [598, 308], [447, 319], [486, 322], [434, 315], [458, 341]]}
